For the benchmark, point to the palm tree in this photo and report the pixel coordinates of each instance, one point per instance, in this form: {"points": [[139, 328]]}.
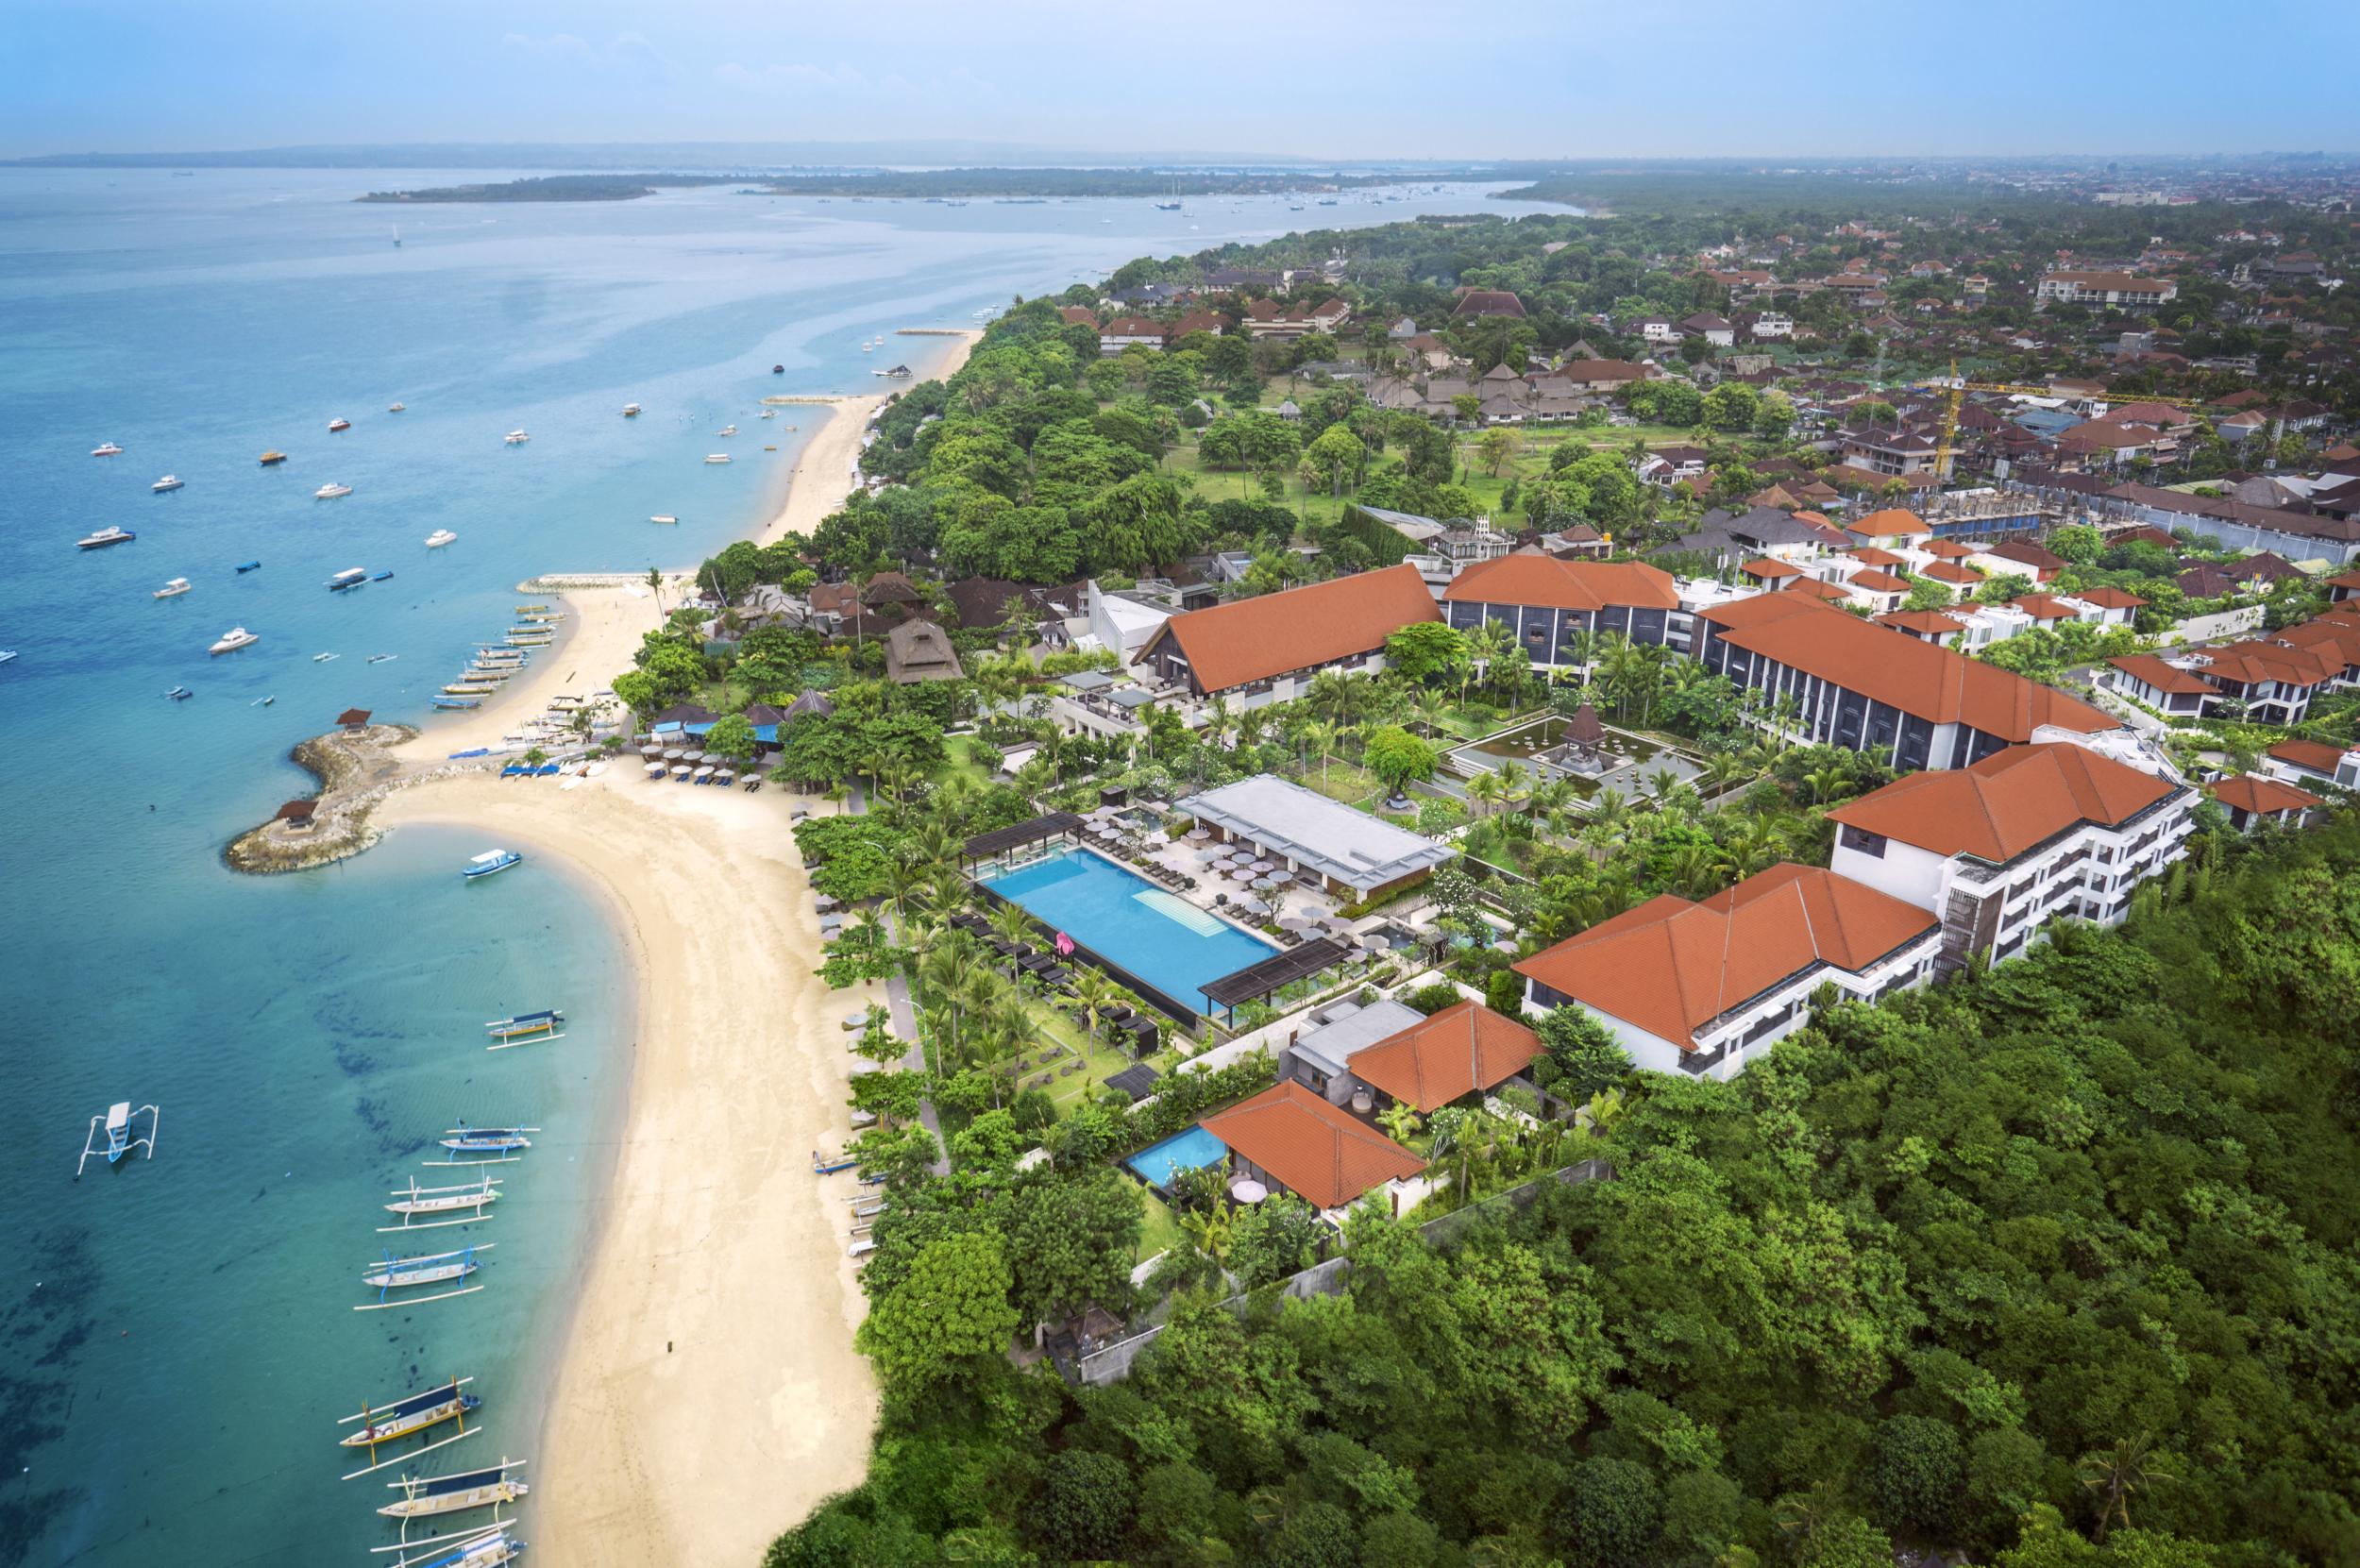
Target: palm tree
{"points": [[1824, 783], [2113, 1475], [1094, 994], [1723, 768], [1400, 1121], [1516, 781], [1754, 846], [1430, 706], [1010, 923], [1610, 810], [1488, 788], [1320, 736], [1218, 721], [1696, 869], [1660, 782], [655, 587], [1485, 644]]}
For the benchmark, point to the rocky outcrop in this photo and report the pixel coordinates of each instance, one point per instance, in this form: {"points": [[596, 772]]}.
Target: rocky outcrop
{"points": [[356, 769]]}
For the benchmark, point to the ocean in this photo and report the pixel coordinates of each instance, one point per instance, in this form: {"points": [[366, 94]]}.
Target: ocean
{"points": [[176, 1334]]}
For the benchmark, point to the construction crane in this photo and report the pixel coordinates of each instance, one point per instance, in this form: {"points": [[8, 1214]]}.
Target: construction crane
{"points": [[1955, 390]]}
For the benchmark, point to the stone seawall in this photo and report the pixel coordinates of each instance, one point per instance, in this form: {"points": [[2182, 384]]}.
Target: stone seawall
{"points": [[356, 769]]}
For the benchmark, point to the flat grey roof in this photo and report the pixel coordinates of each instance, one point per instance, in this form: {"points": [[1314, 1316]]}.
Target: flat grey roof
{"points": [[1348, 846], [1087, 680], [1131, 697], [1331, 1046]]}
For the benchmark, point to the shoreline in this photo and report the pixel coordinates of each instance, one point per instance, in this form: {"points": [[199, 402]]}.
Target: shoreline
{"points": [[701, 1345]]}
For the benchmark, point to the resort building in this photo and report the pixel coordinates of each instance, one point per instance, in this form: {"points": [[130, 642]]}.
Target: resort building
{"points": [[1350, 853], [1703, 987], [1547, 603], [919, 651], [1465, 1049], [1867, 688], [2271, 682], [1266, 649], [2026, 835], [2311, 762], [1290, 1138], [2113, 290], [2252, 799], [1320, 1057]]}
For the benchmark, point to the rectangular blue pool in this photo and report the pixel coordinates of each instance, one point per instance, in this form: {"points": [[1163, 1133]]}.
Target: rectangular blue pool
{"points": [[1120, 915], [1158, 1163]]}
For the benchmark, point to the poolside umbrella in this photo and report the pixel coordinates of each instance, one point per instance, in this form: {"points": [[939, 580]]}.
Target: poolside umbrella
{"points": [[1249, 1191], [1254, 906], [1200, 834], [1242, 874], [692, 756], [672, 755], [1295, 923], [1266, 865], [1265, 884], [1280, 877]]}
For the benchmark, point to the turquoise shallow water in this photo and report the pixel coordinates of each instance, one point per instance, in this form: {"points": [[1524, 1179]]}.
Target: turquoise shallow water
{"points": [[175, 1337]]}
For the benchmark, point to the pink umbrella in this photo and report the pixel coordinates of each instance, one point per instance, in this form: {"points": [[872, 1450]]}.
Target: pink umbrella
{"points": [[1063, 945]]}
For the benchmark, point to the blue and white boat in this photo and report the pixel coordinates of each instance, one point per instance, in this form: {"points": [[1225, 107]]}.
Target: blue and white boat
{"points": [[489, 862], [123, 1135], [351, 577]]}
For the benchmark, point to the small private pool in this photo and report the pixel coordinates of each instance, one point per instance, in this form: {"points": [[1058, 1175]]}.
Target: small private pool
{"points": [[1110, 910], [1193, 1150]]}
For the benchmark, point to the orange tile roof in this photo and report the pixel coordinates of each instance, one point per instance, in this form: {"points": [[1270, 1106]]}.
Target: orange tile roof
{"points": [[1878, 582], [1947, 550], [2342, 580], [2110, 598], [1950, 571], [2045, 607], [2252, 792], [2006, 803], [2334, 638], [1891, 522], [2312, 755], [1563, 584], [1811, 587], [2166, 678], [1671, 967], [1924, 623], [1871, 555], [1252, 639], [2252, 662], [1461, 1049], [1933, 683], [1768, 567], [1315, 1151]]}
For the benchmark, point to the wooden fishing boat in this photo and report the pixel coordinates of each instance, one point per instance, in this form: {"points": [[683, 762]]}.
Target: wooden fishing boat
{"points": [[402, 1273], [525, 1027], [484, 1145], [477, 1551], [441, 1205], [407, 1416], [423, 1497]]}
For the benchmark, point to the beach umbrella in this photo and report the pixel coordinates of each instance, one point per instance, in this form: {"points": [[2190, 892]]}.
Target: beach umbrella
{"points": [[652, 750], [1266, 865], [1253, 905], [1249, 1191], [1242, 874], [1295, 923], [1264, 882], [672, 755], [1200, 834], [1280, 877]]}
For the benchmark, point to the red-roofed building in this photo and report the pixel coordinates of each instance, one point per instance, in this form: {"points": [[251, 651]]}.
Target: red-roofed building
{"points": [[1078, 315], [1703, 987], [1892, 527], [1867, 688], [2026, 835], [1926, 626], [1486, 302], [1545, 601], [1128, 332], [2312, 762], [1464, 1049], [1267, 649], [1290, 1137], [2252, 799]]}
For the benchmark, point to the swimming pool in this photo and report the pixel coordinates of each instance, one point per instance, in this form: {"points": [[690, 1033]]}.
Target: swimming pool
{"points": [[1127, 919], [1158, 1163]]}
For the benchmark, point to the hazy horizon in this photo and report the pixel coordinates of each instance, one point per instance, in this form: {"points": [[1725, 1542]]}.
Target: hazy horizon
{"points": [[1387, 80]]}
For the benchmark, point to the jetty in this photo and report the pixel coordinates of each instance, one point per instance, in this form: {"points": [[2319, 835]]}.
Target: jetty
{"points": [[356, 768]]}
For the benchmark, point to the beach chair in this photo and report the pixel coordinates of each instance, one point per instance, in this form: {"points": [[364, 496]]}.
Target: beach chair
{"points": [[861, 1248]]}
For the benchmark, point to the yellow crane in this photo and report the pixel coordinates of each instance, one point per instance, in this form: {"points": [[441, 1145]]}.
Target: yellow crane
{"points": [[1956, 390]]}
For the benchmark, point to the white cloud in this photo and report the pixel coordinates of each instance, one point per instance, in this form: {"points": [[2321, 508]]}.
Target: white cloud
{"points": [[628, 54], [846, 79]]}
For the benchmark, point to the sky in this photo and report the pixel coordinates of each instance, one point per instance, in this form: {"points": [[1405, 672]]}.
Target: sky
{"points": [[1376, 78]]}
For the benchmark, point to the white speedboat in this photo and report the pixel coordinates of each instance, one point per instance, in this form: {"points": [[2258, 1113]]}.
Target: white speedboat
{"points": [[234, 639], [663, 518], [170, 481], [716, 457], [7, 655], [172, 589], [630, 411], [105, 536], [339, 424], [440, 537], [329, 491], [324, 658], [395, 408], [106, 449], [769, 413], [726, 430], [516, 438]]}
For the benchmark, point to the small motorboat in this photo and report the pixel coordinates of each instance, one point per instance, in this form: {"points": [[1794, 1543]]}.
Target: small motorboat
{"points": [[351, 577], [105, 536], [262, 702], [247, 567], [170, 481], [106, 449], [329, 491], [778, 370], [769, 413], [380, 577], [324, 658], [234, 639], [339, 424], [172, 589], [179, 693], [7, 655], [716, 457], [383, 658], [489, 862], [516, 438], [440, 537], [726, 430], [663, 518], [394, 408], [272, 459], [630, 411]]}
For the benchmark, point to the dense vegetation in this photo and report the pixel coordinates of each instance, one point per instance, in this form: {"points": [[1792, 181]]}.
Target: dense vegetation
{"points": [[551, 188], [2054, 1263]]}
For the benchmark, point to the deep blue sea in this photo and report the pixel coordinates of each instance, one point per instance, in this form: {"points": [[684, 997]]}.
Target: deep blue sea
{"points": [[177, 1336]]}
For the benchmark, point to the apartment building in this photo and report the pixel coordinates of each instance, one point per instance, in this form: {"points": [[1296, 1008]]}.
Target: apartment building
{"points": [[2112, 290], [1546, 604]]}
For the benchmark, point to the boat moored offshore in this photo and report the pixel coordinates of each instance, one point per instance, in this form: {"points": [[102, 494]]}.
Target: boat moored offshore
{"points": [[170, 481], [488, 863], [172, 589], [351, 577], [273, 458], [105, 536], [339, 424], [234, 639], [716, 457], [440, 537], [329, 491], [106, 449], [516, 438], [630, 411]]}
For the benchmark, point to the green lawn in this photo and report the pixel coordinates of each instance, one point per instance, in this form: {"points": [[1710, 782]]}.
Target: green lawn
{"points": [[961, 762], [1341, 781], [1161, 1231], [1068, 1090]]}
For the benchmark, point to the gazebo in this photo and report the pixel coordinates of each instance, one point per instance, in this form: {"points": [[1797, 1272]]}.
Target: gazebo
{"points": [[1584, 733], [352, 718]]}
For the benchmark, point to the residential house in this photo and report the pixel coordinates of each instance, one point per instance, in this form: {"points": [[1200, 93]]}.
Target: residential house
{"points": [[2027, 834], [1771, 326], [1320, 1057], [1862, 686], [919, 651], [2018, 557], [1893, 451], [1716, 329], [1486, 302], [1266, 649], [1386, 1048], [1598, 376], [1666, 466], [1549, 606], [2299, 535], [1730, 537], [1078, 315], [2269, 683], [1704, 987], [2315, 762], [1128, 332], [1893, 528]]}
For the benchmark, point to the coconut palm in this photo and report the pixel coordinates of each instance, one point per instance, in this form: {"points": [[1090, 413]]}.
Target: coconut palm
{"points": [[1094, 994], [1695, 869], [1400, 1121], [1824, 784], [1756, 845], [1723, 768], [1010, 923], [1485, 644], [1430, 706], [1320, 736], [1516, 781], [2114, 1475], [1488, 788]]}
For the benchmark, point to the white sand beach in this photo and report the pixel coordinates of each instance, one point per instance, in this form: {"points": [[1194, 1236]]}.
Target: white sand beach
{"points": [[708, 1395]]}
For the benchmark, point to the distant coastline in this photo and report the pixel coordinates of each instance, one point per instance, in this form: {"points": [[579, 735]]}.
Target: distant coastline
{"points": [[549, 188]]}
